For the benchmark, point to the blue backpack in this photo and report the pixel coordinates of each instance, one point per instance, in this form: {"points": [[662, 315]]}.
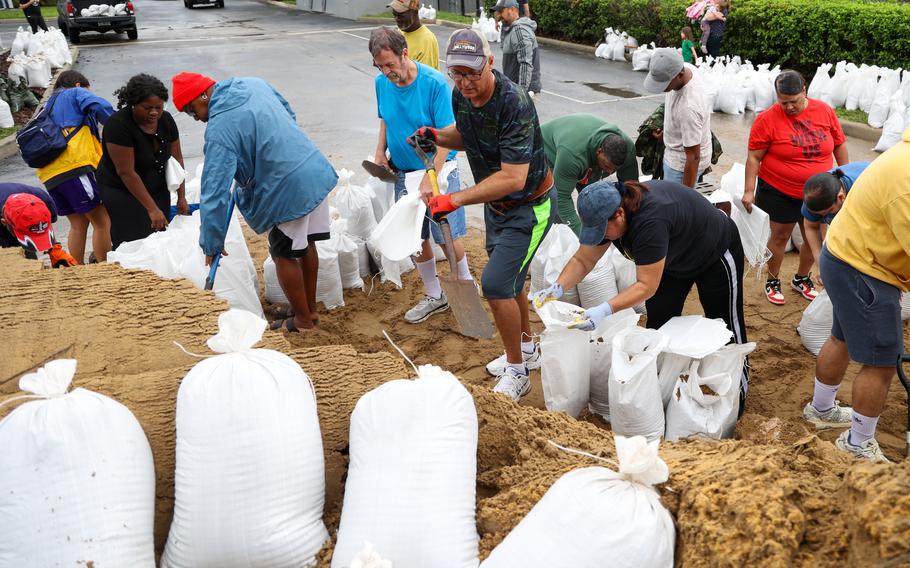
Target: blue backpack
{"points": [[41, 141]]}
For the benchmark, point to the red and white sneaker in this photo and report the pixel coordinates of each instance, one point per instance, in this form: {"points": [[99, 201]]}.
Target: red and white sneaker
{"points": [[772, 291], [805, 286]]}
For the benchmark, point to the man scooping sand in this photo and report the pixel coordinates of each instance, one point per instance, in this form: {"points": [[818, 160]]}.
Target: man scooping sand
{"points": [[282, 180]]}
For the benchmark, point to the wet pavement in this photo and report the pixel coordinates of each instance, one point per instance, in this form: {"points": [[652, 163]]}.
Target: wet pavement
{"points": [[322, 66]]}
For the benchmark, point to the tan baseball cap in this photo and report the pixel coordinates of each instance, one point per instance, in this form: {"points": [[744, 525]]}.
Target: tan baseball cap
{"points": [[468, 49], [403, 5]]}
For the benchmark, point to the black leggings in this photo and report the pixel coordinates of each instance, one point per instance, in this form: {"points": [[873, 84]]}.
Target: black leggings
{"points": [[36, 22], [129, 219], [714, 44]]}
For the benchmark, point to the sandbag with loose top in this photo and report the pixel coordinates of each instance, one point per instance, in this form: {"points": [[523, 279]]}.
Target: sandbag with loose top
{"points": [[599, 285], [397, 236], [564, 359], [249, 487], [755, 227], [78, 479], [636, 408], [382, 196], [355, 204], [20, 43], [601, 344], [594, 517], [626, 275], [815, 325], [411, 482], [348, 249]]}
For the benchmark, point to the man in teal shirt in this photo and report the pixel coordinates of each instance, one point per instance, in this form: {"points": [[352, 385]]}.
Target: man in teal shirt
{"points": [[582, 149]]}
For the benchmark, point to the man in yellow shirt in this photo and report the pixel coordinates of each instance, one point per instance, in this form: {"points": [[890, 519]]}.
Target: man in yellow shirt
{"points": [[865, 264], [423, 47]]}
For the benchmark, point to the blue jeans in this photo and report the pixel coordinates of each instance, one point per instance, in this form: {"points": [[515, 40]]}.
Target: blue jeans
{"points": [[456, 218], [675, 175]]}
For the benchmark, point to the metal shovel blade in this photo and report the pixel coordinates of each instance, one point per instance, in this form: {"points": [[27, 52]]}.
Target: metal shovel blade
{"points": [[462, 295], [378, 171]]}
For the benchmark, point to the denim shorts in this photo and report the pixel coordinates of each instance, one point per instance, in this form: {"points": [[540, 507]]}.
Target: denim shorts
{"points": [[456, 218], [867, 312]]}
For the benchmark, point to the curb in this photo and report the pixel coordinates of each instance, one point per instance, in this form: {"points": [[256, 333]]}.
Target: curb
{"points": [[861, 131], [8, 146], [279, 4]]}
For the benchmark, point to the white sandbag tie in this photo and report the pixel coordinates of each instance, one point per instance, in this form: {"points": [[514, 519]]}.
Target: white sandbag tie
{"points": [[369, 558], [50, 381], [639, 460], [238, 331]]}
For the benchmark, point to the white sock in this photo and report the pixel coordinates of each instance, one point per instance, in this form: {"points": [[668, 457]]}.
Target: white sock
{"points": [[824, 395], [520, 367], [464, 271], [427, 270], [863, 428], [527, 347]]}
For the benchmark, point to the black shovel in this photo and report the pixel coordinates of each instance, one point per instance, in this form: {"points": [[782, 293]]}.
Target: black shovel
{"points": [[904, 358]]}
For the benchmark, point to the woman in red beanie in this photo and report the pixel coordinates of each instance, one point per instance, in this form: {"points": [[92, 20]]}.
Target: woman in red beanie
{"points": [[138, 140]]}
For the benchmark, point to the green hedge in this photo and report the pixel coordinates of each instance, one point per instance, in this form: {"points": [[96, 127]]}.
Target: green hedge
{"points": [[792, 33]]}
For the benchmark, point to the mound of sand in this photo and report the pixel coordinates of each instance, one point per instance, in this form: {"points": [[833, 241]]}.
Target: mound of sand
{"points": [[776, 497]]}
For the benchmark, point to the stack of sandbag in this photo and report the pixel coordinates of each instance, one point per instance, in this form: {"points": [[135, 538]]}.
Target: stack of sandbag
{"points": [[488, 27], [601, 359], [689, 338], [329, 279], [595, 517], [641, 57], [614, 45], [249, 487], [175, 253], [636, 408], [815, 326], [410, 489], [347, 248], [78, 479], [104, 10], [551, 257], [354, 203]]}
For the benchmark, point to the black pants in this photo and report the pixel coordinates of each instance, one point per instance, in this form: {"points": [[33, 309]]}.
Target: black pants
{"points": [[36, 21], [714, 44], [129, 219]]}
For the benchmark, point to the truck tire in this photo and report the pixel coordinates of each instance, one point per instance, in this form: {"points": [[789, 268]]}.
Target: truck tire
{"points": [[219, 4], [132, 34], [61, 25], [74, 35]]}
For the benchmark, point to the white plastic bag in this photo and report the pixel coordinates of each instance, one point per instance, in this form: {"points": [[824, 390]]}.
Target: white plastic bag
{"points": [[397, 236], [602, 51], [77, 476], [329, 289], [348, 250], [641, 58], [382, 196], [390, 270], [618, 48], [411, 483], [602, 359], [38, 70], [564, 359], [599, 285], [174, 174], [594, 518], [6, 115], [886, 87], [20, 43], [755, 227], [894, 126], [636, 408], [702, 405], [820, 81], [695, 336], [670, 367], [815, 325], [16, 69], [354, 204], [626, 274], [249, 487]]}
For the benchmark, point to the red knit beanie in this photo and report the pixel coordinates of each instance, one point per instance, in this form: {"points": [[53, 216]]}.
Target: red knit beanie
{"points": [[188, 86]]}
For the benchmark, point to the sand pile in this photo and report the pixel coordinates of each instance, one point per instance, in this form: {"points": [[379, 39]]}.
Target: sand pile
{"points": [[778, 497]]}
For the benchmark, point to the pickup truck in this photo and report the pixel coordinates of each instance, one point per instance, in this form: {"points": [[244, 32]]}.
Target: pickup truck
{"points": [[75, 17]]}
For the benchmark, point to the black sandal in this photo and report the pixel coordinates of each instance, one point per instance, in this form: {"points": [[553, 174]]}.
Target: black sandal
{"points": [[286, 323]]}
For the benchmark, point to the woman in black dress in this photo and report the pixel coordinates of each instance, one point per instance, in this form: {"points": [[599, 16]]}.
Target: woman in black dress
{"points": [[138, 141]]}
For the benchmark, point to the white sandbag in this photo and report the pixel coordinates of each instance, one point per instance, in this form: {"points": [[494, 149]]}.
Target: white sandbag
{"points": [[618, 49], [249, 486], [329, 289], [870, 85], [594, 518], [175, 253], [273, 292], [602, 51], [695, 336], [397, 236], [796, 238], [815, 325], [62, 46], [17, 70], [558, 246], [390, 270], [599, 285], [641, 58], [364, 258], [411, 483], [905, 306], [755, 227], [354, 204], [20, 43], [819, 81], [38, 70], [881, 100], [894, 126], [626, 274], [174, 174], [732, 96], [636, 408], [35, 44], [730, 359], [347, 248], [77, 476], [835, 93], [670, 367], [564, 359], [763, 91], [6, 115], [702, 405], [856, 86], [382, 196], [602, 358]]}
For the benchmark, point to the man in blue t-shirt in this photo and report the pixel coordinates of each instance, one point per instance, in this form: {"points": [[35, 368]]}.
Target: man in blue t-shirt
{"points": [[410, 95], [823, 196]]}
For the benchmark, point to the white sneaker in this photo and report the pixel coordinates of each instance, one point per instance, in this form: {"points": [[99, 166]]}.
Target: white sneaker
{"points": [[497, 366], [868, 450], [835, 417], [426, 307], [513, 384]]}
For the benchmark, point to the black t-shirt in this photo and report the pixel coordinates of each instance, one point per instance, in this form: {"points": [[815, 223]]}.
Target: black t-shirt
{"points": [[150, 163], [505, 130], [32, 11], [677, 223]]}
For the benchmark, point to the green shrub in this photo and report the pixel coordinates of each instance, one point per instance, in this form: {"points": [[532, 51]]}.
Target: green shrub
{"points": [[792, 33]]}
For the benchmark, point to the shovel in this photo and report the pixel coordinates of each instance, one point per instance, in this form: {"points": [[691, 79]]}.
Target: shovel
{"points": [[378, 171], [904, 358], [216, 259], [462, 294]]}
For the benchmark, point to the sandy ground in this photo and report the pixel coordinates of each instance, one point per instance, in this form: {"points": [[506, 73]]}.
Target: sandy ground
{"points": [[778, 496]]}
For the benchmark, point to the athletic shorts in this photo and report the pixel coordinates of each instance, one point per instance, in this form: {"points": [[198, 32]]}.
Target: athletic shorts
{"points": [[76, 196], [867, 312], [512, 240], [781, 208], [456, 219], [291, 238]]}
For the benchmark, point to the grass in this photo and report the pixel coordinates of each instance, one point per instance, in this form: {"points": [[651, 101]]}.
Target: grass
{"points": [[4, 132], [440, 15], [290, 2], [852, 115], [16, 13]]}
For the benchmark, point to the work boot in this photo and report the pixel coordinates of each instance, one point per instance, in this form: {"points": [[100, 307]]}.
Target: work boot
{"points": [[805, 286], [497, 366], [427, 307], [868, 450], [835, 417], [513, 383]]}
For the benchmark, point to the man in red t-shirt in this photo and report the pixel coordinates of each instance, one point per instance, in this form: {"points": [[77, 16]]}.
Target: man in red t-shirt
{"points": [[789, 143]]}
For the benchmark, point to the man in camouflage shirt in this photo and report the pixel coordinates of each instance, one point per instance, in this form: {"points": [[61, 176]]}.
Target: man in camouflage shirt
{"points": [[496, 125]]}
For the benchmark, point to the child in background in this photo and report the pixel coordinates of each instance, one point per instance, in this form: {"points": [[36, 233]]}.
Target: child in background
{"points": [[705, 26], [688, 46]]}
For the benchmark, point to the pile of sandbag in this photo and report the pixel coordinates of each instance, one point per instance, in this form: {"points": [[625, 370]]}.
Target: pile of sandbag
{"points": [[614, 45], [32, 56], [426, 12], [641, 57], [78, 479], [733, 86], [175, 253], [488, 27], [249, 486], [411, 483], [594, 517], [104, 11]]}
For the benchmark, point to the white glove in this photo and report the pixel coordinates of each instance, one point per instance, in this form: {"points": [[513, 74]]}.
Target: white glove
{"points": [[541, 297]]}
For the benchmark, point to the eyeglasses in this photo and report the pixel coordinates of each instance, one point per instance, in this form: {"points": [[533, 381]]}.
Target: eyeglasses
{"points": [[190, 111], [473, 77]]}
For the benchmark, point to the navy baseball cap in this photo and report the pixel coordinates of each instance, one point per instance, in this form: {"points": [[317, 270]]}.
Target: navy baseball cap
{"points": [[503, 4], [596, 204]]}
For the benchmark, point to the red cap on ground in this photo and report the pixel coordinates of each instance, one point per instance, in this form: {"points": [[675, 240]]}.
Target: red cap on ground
{"points": [[187, 86], [30, 220]]}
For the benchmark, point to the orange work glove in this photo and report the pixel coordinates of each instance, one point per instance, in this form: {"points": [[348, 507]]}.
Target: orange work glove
{"points": [[60, 257]]}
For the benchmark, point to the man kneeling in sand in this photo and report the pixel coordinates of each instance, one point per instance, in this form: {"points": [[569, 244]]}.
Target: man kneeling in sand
{"points": [[282, 179]]}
